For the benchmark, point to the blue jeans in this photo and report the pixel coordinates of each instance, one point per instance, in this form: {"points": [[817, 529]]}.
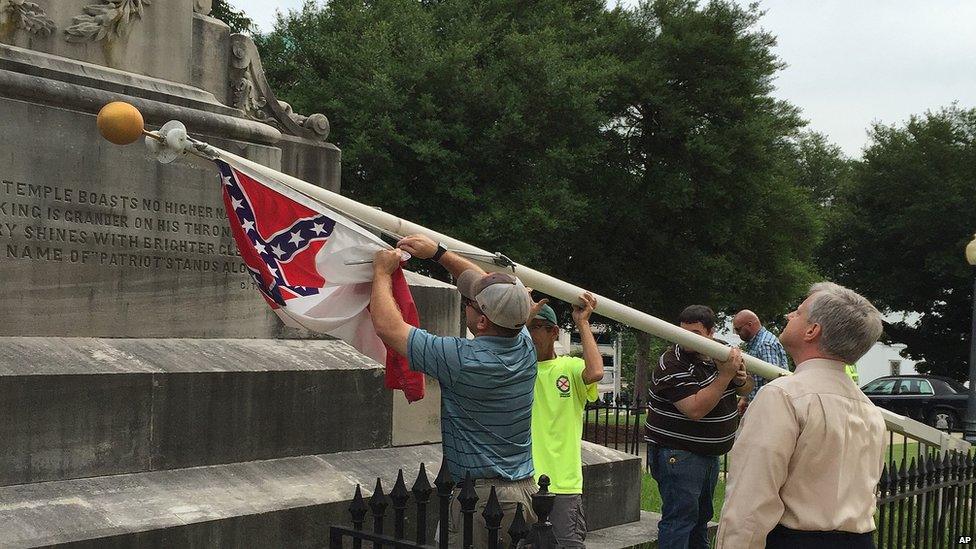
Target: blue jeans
{"points": [[686, 481]]}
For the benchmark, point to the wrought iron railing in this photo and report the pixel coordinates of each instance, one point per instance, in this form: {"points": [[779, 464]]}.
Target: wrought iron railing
{"points": [[538, 535], [618, 427], [927, 494], [928, 503]]}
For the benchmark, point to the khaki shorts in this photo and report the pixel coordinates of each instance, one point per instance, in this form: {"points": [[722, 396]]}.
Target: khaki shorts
{"points": [[509, 493], [568, 522]]}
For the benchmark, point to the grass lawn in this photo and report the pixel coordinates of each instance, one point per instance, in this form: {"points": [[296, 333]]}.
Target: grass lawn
{"points": [[651, 499], [907, 451], [612, 418]]}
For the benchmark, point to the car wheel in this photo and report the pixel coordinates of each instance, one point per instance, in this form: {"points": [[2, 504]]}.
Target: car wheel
{"points": [[943, 419]]}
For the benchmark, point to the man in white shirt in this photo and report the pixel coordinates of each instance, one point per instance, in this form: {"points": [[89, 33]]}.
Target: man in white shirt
{"points": [[808, 459]]}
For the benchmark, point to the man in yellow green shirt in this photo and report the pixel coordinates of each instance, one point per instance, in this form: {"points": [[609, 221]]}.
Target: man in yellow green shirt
{"points": [[562, 388]]}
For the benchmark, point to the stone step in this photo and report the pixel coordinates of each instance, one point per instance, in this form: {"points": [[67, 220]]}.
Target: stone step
{"points": [[641, 534], [288, 502], [84, 407]]}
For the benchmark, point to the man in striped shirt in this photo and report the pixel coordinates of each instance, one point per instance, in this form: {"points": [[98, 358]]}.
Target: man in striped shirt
{"points": [[486, 383], [691, 420], [760, 343]]}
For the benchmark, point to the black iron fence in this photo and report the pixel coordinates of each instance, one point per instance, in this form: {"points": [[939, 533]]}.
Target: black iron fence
{"points": [[928, 503], [902, 449], [538, 535], [621, 427], [618, 427], [926, 496]]}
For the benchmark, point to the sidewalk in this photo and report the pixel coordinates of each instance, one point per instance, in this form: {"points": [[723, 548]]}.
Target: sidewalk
{"points": [[641, 534]]}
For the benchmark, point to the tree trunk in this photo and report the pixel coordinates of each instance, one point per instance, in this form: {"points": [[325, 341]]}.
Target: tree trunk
{"points": [[641, 367]]}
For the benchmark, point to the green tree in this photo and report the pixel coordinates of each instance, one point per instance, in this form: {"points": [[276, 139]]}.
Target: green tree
{"points": [[236, 19], [820, 167], [699, 201], [635, 152], [478, 118], [899, 228]]}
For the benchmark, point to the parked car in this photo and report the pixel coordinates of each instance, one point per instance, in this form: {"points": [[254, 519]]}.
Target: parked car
{"points": [[935, 400]]}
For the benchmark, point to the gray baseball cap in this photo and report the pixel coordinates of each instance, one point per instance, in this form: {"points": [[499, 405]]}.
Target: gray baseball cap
{"points": [[502, 297]]}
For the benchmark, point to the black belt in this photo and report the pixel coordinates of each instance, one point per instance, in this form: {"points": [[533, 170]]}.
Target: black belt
{"points": [[788, 538]]}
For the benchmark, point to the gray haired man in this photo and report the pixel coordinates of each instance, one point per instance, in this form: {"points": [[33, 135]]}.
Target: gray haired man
{"points": [[806, 463]]}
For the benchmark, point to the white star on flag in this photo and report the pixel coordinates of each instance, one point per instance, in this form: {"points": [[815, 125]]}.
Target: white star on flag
{"points": [[248, 225], [296, 238], [227, 180], [236, 203], [318, 228], [260, 248], [274, 272], [278, 251]]}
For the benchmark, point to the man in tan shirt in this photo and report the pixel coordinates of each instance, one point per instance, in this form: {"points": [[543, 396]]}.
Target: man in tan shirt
{"points": [[806, 464]]}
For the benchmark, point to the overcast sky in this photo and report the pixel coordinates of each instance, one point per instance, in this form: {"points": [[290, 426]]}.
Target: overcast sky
{"points": [[850, 62]]}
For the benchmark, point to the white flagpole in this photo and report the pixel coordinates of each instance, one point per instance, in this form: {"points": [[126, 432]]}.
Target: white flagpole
{"points": [[530, 277], [539, 281]]}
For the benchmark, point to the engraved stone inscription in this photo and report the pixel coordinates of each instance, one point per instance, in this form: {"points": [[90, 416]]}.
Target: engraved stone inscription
{"points": [[98, 240], [43, 222]]}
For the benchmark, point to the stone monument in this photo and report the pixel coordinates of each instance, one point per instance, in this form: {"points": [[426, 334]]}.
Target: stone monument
{"points": [[148, 396]]}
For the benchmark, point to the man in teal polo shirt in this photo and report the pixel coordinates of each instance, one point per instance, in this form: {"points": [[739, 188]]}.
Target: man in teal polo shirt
{"points": [[562, 388], [486, 382]]}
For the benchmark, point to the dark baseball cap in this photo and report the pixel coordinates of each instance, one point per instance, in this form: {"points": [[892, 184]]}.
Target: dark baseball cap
{"points": [[546, 313]]}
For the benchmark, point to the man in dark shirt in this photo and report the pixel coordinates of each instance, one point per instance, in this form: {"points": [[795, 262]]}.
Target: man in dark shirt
{"points": [[692, 419]]}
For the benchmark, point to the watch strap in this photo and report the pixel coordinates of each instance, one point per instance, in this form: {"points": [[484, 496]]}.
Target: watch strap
{"points": [[441, 250]]}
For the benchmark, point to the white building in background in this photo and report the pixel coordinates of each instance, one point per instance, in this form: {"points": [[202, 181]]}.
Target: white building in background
{"points": [[883, 360], [609, 345]]}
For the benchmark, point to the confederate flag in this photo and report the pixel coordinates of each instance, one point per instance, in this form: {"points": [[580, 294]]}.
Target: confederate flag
{"points": [[296, 250]]}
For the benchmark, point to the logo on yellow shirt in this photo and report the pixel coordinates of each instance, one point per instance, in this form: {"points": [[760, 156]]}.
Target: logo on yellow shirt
{"points": [[562, 383]]}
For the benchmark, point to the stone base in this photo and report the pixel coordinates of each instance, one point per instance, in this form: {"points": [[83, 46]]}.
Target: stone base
{"points": [[287, 502], [276, 503], [83, 407], [611, 486], [637, 535]]}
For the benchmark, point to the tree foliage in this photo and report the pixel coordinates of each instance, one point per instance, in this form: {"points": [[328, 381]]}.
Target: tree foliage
{"points": [[898, 230], [481, 119], [636, 152], [820, 167], [236, 19], [698, 200]]}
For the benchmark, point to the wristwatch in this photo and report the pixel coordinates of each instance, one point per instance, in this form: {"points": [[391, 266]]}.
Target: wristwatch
{"points": [[441, 250]]}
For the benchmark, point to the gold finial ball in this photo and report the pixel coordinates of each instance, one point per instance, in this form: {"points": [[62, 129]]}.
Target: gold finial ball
{"points": [[971, 251], [120, 123]]}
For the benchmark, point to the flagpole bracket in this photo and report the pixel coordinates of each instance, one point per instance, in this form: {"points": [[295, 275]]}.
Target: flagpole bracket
{"points": [[503, 260], [168, 142], [171, 142]]}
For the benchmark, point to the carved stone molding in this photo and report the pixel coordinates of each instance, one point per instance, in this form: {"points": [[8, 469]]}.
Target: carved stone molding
{"points": [[26, 16], [202, 7], [109, 20], [251, 94]]}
